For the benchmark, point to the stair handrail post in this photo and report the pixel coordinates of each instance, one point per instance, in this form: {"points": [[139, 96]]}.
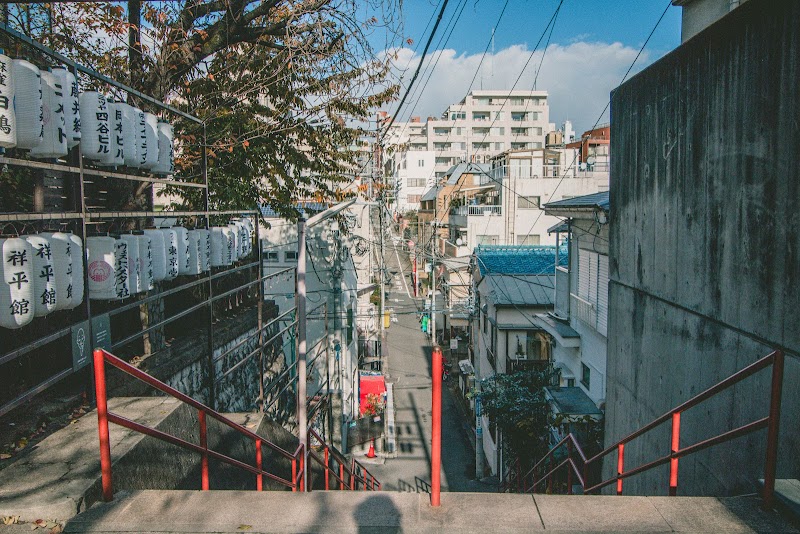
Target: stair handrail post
{"points": [[327, 469], [259, 463], [102, 423], [436, 424], [770, 465], [569, 468], [674, 448], [620, 466], [341, 476], [201, 417]]}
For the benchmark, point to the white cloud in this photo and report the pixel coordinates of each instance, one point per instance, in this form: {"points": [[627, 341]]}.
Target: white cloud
{"points": [[578, 77]]}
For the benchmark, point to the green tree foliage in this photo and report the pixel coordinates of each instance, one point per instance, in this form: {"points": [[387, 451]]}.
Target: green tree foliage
{"points": [[282, 86], [516, 404]]}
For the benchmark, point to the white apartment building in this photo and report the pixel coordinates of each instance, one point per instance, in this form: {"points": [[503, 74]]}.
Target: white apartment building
{"points": [[413, 174], [483, 124], [508, 209]]}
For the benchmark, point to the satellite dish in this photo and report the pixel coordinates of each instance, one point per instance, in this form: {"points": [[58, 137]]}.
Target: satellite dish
{"points": [[459, 242]]}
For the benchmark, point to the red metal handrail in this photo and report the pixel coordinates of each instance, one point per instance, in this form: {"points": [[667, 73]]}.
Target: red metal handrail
{"points": [[347, 473], [770, 422], [101, 357]]}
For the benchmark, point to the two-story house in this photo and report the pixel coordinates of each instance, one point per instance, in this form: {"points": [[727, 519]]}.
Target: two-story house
{"points": [[511, 286]]}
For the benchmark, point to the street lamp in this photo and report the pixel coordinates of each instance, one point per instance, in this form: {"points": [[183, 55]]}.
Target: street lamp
{"points": [[302, 415]]}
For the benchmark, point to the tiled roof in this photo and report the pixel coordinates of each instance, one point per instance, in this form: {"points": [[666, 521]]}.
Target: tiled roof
{"points": [[430, 194], [521, 290], [518, 259], [595, 200]]}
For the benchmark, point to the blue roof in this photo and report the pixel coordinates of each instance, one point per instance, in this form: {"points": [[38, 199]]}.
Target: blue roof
{"points": [[595, 200], [456, 171], [519, 259], [306, 209]]}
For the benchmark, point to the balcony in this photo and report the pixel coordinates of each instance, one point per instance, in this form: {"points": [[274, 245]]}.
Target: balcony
{"points": [[569, 170], [514, 365], [478, 210]]}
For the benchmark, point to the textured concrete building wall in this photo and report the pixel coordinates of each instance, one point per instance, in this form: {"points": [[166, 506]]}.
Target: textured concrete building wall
{"points": [[705, 245]]}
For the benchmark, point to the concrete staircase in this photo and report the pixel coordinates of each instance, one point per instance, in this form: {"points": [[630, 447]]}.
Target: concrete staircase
{"points": [[346, 511]]}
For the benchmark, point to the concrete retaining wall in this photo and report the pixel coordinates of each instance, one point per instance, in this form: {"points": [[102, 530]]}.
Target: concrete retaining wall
{"points": [[705, 246]]}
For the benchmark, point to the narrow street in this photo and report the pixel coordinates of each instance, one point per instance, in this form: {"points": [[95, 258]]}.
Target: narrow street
{"points": [[409, 369]]}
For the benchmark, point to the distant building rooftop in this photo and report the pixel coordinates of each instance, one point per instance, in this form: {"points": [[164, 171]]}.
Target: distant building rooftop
{"points": [[455, 172], [430, 194], [521, 290], [518, 259]]}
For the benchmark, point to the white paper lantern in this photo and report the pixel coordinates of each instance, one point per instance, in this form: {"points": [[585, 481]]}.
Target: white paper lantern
{"points": [[116, 153], [205, 249], [159, 251], [28, 103], [183, 249], [151, 131], [171, 248], [122, 279], [141, 136], [101, 267], [72, 108], [229, 249], [129, 137], [54, 141], [61, 249], [145, 263], [8, 119], [17, 305], [166, 154], [134, 265], [45, 295], [196, 251], [95, 128], [77, 270], [237, 243], [219, 245]]}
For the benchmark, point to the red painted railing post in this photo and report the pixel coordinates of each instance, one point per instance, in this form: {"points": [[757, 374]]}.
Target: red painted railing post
{"points": [[294, 473], [303, 468], [771, 462], [675, 446], [102, 423], [569, 468], [365, 477], [327, 470], [259, 476], [436, 423], [620, 466], [341, 476], [353, 475], [201, 416]]}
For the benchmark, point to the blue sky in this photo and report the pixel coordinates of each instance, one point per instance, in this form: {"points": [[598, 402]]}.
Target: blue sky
{"points": [[593, 44]]}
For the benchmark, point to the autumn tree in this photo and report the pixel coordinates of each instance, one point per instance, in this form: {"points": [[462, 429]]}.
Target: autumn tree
{"points": [[283, 86]]}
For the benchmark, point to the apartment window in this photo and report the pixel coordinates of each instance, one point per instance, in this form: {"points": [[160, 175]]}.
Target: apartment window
{"points": [[499, 146], [570, 382], [527, 203], [441, 131], [487, 239], [414, 199], [459, 115], [519, 131], [519, 117], [441, 146], [586, 375], [498, 131], [290, 255], [517, 101], [480, 131], [480, 116], [443, 161], [593, 287], [519, 146], [271, 257], [525, 345], [481, 101], [498, 115], [480, 146], [416, 182], [420, 163], [459, 131], [529, 239]]}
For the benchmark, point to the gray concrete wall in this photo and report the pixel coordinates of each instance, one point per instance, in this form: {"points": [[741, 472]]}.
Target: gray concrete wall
{"points": [[705, 245]]}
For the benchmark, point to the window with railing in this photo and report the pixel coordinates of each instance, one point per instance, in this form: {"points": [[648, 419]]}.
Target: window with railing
{"points": [[480, 131], [441, 132], [519, 131], [444, 161], [441, 146], [480, 116], [517, 116], [519, 146], [590, 303], [480, 146], [458, 115]]}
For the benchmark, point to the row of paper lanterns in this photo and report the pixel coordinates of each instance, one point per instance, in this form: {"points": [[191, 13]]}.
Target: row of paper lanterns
{"points": [[43, 111], [43, 273]]}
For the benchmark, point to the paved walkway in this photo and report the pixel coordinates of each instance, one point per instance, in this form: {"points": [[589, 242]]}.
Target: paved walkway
{"points": [[347, 511], [409, 368]]}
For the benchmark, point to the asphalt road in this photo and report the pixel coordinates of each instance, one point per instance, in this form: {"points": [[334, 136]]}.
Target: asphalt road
{"points": [[409, 369]]}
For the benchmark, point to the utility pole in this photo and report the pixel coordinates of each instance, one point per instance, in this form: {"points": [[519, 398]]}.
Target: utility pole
{"points": [[378, 178], [302, 424]]}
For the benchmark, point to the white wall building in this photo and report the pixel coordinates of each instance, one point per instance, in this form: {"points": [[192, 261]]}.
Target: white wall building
{"points": [[509, 212], [483, 124], [413, 174]]}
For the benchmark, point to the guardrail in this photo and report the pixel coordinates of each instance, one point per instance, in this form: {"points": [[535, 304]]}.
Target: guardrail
{"points": [[577, 464], [298, 458]]}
